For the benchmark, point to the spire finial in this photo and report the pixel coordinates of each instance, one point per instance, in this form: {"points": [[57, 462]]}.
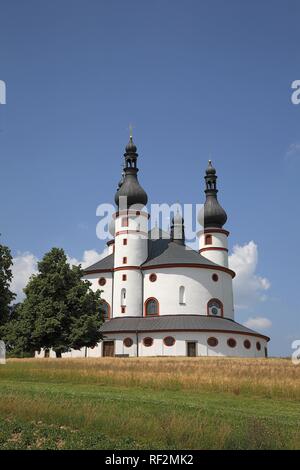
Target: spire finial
{"points": [[130, 132], [130, 185], [210, 169]]}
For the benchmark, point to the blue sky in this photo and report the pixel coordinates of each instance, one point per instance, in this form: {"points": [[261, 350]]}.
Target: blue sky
{"points": [[196, 78]]}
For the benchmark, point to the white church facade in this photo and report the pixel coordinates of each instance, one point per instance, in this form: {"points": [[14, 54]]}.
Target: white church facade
{"points": [[160, 297]]}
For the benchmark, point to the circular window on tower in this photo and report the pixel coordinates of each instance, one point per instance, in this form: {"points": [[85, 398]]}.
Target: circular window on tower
{"points": [[213, 342], [258, 346], [215, 307], [128, 342], [102, 281], [215, 277], [148, 341], [247, 344], [169, 341], [153, 277], [231, 342]]}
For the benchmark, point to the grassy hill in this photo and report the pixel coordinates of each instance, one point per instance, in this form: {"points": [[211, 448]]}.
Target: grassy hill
{"points": [[155, 403]]}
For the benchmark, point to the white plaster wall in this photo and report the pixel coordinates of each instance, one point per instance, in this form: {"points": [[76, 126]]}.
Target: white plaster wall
{"points": [[76, 353], [136, 252], [136, 249], [219, 240], [199, 289], [107, 289], [134, 293], [178, 349]]}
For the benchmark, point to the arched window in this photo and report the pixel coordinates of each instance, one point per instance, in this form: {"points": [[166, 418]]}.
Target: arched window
{"points": [[124, 222], [215, 308], [151, 307], [182, 295], [104, 309], [208, 239], [123, 297]]}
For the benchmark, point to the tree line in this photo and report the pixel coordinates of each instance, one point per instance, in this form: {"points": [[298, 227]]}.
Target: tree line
{"points": [[59, 312]]}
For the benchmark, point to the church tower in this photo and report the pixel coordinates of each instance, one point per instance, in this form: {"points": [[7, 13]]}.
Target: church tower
{"points": [[131, 239], [213, 243], [177, 229]]}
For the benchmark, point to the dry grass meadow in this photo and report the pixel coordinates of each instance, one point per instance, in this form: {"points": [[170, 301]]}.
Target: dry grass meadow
{"points": [[155, 403]]}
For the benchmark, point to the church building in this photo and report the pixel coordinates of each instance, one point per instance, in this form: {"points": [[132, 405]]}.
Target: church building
{"points": [[160, 297]]}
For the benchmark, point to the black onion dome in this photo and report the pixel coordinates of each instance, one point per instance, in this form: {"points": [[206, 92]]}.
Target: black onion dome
{"points": [[130, 147], [120, 182], [212, 214], [112, 227], [131, 187], [210, 170]]}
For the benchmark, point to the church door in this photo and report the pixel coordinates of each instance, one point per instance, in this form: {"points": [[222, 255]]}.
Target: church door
{"points": [[191, 348], [108, 348]]}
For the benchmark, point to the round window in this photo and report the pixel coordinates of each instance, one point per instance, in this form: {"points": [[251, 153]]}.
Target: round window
{"points": [[169, 341], [153, 277], [231, 343], [215, 307], [102, 281], [148, 341], [215, 277], [247, 344], [258, 346], [128, 342], [213, 342]]}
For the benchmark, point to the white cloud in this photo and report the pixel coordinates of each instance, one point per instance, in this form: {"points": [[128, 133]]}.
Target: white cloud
{"points": [[249, 288], [24, 265], [293, 151], [260, 323], [89, 257]]}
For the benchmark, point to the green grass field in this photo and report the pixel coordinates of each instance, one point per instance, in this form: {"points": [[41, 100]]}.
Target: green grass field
{"points": [[159, 403]]}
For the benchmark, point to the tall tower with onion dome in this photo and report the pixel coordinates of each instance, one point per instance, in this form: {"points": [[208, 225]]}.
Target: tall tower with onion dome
{"points": [[131, 239], [213, 243]]}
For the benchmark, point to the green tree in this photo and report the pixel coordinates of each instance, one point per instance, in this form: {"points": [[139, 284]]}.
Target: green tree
{"points": [[6, 296], [60, 310]]}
